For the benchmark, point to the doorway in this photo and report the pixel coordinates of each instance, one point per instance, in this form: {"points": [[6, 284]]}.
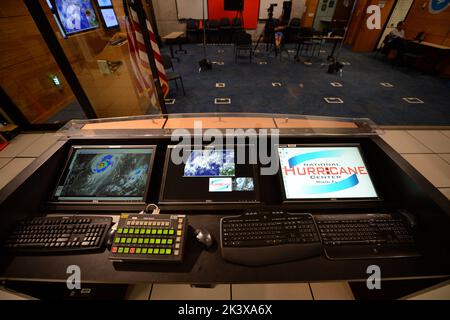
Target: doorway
{"points": [[333, 16]]}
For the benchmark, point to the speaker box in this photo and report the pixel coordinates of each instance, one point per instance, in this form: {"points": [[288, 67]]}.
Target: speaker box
{"points": [[287, 9], [233, 5]]}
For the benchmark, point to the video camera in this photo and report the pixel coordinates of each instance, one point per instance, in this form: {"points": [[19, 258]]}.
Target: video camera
{"points": [[270, 9]]}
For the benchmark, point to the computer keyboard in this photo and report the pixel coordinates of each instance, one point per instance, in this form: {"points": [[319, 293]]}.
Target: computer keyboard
{"points": [[58, 234], [362, 236], [149, 238], [268, 237]]}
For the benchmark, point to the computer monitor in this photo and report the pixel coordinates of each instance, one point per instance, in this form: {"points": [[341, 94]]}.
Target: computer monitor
{"points": [[102, 174], [325, 172], [75, 16], [210, 175], [109, 18]]}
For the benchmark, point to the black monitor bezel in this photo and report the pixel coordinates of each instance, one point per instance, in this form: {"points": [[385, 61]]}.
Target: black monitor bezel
{"points": [[56, 15], [327, 200], [70, 155], [162, 201]]}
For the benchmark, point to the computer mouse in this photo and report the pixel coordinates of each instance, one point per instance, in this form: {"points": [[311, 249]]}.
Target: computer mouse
{"points": [[109, 238], [204, 237]]}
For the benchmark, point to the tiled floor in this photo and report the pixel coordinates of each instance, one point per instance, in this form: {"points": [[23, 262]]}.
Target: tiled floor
{"points": [[428, 151]]}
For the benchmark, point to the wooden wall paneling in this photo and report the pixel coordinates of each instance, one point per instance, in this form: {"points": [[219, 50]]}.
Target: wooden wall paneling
{"points": [[356, 21], [435, 26], [366, 40], [310, 13]]}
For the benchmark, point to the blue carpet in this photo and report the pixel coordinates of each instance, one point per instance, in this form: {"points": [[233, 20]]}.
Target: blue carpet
{"points": [[249, 85]]}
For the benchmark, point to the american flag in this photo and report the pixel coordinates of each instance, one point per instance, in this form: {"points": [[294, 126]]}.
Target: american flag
{"points": [[142, 73]]}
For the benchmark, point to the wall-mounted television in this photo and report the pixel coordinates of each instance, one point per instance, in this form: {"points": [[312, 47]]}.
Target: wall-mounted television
{"points": [[74, 16], [107, 14]]}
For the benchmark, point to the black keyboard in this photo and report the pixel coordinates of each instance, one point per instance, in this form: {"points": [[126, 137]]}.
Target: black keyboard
{"points": [[361, 236], [261, 238], [62, 234]]}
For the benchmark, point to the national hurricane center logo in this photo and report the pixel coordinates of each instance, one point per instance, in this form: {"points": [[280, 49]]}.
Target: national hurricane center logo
{"points": [[324, 176], [437, 6]]}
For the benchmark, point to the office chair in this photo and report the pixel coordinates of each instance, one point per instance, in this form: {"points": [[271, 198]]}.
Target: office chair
{"points": [[212, 30], [293, 30], [192, 30], [236, 26], [225, 30], [172, 75], [306, 42], [242, 42]]}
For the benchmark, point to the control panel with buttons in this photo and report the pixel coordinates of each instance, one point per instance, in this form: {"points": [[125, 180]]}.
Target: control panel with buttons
{"points": [[149, 238]]}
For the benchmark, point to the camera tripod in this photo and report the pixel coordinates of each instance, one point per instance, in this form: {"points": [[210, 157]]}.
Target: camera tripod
{"points": [[269, 33]]}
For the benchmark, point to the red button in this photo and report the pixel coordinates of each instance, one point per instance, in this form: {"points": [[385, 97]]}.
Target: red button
{"points": [[114, 249], [132, 250]]}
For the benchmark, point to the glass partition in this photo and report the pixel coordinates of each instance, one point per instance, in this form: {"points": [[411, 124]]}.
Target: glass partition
{"points": [[102, 49], [250, 123]]}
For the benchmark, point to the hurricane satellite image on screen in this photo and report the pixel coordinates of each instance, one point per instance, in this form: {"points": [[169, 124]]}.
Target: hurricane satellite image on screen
{"points": [[210, 163], [102, 174], [76, 15]]}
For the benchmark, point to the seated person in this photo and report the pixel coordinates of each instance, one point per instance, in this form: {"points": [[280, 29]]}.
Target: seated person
{"points": [[279, 32], [393, 42]]}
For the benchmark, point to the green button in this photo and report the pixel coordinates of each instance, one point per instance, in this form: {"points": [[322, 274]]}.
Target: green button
{"points": [[138, 250], [122, 240], [117, 240], [171, 231], [158, 241], [131, 231], [160, 231], [148, 231], [169, 241], [120, 250], [146, 240], [152, 240], [126, 250], [140, 240], [134, 240], [125, 231], [163, 241], [168, 251], [153, 231], [162, 251], [142, 231], [120, 230], [165, 231], [156, 251], [150, 250], [128, 240], [144, 250]]}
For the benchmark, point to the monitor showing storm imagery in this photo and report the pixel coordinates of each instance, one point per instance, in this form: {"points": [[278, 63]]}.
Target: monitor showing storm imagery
{"points": [[106, 174], [76, 15], [210, 163]]}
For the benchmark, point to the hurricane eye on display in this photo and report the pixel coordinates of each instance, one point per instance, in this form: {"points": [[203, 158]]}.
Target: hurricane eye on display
{"points": [[103, 164]]}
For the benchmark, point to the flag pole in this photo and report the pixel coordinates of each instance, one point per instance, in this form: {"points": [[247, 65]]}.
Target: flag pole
{"points": [[143, 22]]}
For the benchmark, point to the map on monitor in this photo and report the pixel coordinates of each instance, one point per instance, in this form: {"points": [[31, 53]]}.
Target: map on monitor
{"points": [[106, 173], [76, 15], [210, 163], [209, 175], [324, 172]]}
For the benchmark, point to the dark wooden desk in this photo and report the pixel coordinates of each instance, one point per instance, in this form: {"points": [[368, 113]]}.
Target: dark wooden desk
{"points": [[170, 39], [335, 40]]}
